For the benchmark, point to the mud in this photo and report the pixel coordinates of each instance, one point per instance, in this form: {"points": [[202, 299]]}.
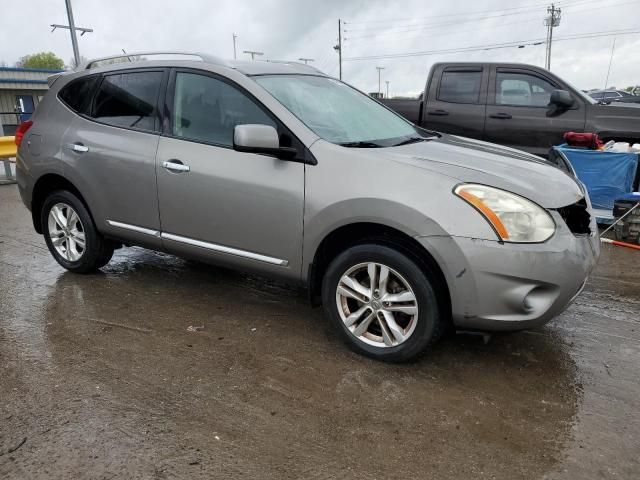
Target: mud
{"points": [[101, 377]]}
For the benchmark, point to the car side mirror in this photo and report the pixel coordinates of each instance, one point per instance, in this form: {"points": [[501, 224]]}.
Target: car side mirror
{"points": [[560, 101], [262, 139]]}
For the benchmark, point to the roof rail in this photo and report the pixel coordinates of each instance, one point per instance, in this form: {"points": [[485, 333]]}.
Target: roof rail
{"points": [[141, 56], [290, 62]]}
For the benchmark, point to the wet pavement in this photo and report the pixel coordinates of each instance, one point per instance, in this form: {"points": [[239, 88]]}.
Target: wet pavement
{"points": [[100, 377]]}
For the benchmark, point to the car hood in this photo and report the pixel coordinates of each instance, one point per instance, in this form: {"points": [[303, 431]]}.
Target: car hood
{"points": [[473, 161]]}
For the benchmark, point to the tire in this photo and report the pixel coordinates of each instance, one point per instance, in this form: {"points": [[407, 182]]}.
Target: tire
{"points": [[69, 250], [414, 331]]}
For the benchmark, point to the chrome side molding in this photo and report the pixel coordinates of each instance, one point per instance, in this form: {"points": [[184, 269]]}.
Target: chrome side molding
{"points": [[222, 249], [134, 228], [199, 243]]}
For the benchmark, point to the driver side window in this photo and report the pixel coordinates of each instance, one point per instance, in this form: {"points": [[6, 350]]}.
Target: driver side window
{"points": [[521, 89], [207, 109]]}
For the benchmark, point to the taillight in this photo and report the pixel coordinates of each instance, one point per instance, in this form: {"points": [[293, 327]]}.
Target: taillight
{"points": [[21, 130]]}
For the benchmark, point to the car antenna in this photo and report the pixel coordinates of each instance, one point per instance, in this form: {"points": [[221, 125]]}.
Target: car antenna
{"points": [[606, 82]]}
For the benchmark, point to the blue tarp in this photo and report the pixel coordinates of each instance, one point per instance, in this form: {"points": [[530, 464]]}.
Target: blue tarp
{"points": [[607, 175]]}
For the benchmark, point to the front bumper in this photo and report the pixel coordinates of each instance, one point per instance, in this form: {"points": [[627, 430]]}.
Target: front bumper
{"points": [[509, 286]]}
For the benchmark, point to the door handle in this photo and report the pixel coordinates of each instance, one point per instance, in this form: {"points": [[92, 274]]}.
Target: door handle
{"points": [[501, 116], [176, 166], [78, 147], [440, 113]]}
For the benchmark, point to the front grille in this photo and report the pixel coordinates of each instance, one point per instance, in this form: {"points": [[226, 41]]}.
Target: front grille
{"points": [[577, 217]]}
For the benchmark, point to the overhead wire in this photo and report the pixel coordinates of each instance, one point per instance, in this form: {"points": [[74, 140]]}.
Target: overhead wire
{"points": [[514, 44]]}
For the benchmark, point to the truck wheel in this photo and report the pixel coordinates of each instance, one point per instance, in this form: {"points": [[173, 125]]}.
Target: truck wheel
{"points": [[381, 303], [71, 235]]}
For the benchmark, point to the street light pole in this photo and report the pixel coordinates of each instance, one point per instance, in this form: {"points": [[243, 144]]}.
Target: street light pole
{"points": [[338, 48], [387, 82], [379, 87], [253, 53], [234, 46]]}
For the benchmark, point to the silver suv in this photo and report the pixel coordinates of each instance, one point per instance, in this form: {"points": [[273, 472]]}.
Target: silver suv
{"points": [[279, 169]]}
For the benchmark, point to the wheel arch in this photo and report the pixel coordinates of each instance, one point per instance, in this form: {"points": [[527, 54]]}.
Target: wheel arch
{"points": [[359, 233], [46, 184]]}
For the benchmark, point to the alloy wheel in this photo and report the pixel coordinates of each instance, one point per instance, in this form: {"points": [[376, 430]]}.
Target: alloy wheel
{"points": [[377, 305], [66, 232]]}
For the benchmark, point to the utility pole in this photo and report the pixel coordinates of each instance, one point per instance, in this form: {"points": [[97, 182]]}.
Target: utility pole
{"points": [[306, 60], [551, 21], [387, 82], [234, 46], [379, 71], [253, 53], [72, 28], [338, 48]]}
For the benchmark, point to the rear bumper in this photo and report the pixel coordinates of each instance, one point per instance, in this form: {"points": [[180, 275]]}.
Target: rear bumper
{"points": [[506, 286]]}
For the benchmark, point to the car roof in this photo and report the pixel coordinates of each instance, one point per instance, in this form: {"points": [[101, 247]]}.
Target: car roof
{"points": [[196, 60]]}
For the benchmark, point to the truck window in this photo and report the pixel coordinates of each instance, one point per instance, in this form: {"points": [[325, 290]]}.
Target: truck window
{"points": [[522, 89], [460, 86]]}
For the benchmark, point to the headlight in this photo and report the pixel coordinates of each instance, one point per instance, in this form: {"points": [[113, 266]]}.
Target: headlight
{"points": [[514, 218]]}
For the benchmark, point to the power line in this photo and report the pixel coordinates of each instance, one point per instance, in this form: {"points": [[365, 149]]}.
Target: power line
{"points": [[476, 28], [495, 46], [447, 15], [471, 17]]}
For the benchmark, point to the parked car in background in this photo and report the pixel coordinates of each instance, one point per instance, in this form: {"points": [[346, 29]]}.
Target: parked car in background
{"points": [[608, 96], [279, 169], [516, 105]]}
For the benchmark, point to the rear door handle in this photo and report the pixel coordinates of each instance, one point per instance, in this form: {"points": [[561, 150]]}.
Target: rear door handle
{"points": [[501, 116], [176, 166], [78, 147], [440, 113]]}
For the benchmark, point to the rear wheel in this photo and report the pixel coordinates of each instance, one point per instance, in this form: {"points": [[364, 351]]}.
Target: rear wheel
{"points": [[381, 303], [71, 235]]}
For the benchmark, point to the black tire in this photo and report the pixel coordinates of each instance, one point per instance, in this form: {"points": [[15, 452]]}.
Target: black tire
{"points": [[429, 326], [97, 252]]}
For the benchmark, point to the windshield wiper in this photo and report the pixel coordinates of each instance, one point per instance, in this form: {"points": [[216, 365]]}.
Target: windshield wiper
{"points": [[359, 145], [410, 140]]}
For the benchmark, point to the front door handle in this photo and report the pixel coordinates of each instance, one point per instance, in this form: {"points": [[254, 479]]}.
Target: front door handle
{"points": [[438, 112], [176, 166], [501, 116], [78, 147]]}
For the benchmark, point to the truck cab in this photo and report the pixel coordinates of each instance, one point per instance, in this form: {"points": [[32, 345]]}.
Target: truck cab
{"points": [[508, 104]]}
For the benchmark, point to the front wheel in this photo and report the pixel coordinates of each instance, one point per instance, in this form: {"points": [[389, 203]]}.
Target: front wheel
{"points": [[381, 303], [71, 235]]}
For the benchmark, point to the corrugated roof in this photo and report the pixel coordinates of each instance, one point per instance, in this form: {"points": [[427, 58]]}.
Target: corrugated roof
{"points": [[12, 78]]}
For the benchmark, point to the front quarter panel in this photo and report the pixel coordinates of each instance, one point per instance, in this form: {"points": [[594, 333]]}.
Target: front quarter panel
{"points": [[350, 185]]}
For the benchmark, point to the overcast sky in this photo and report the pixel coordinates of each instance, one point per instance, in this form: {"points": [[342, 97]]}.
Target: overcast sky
{"points": [[289, 29]]}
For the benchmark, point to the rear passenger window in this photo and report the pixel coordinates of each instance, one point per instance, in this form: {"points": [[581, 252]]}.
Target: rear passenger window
{"points": [[208, 110], [129, 100], [77, 94], [460, 87]]}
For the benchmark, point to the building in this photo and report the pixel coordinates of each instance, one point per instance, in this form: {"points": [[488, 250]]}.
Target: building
{"points": [[20, 91]]}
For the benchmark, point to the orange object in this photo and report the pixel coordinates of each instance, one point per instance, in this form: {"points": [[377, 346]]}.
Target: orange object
{"points": [[620, 244], [487, 212]]}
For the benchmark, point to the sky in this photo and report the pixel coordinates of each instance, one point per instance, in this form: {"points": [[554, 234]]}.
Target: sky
{"points": [[290, 29]]}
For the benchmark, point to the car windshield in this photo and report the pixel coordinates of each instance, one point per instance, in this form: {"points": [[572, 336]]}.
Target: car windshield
{"points": [[339, 113]]}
